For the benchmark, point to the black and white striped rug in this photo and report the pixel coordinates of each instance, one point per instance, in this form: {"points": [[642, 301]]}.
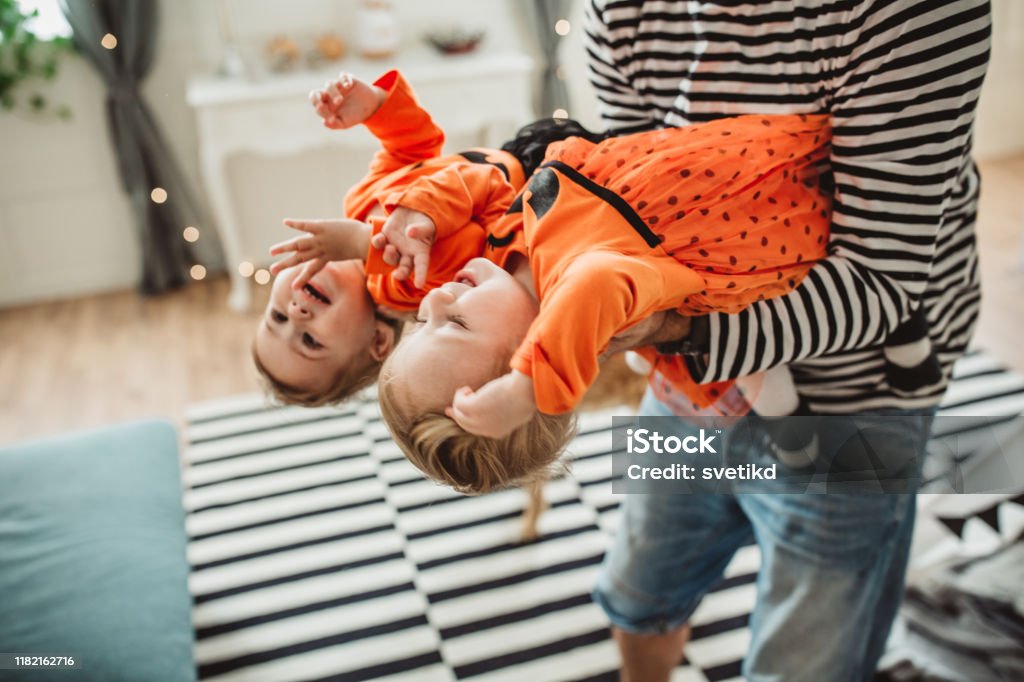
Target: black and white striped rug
{"points": [[319, 553]]}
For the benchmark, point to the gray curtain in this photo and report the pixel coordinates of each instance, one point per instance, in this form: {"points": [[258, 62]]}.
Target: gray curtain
{"points": [[542, 15], [145, 159]]}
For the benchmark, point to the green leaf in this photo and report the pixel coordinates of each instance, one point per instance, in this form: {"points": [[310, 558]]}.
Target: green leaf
{"points": [[24, 57]]}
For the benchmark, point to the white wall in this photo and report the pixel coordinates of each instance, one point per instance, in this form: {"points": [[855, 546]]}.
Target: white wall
{"points": [[65, 227]]}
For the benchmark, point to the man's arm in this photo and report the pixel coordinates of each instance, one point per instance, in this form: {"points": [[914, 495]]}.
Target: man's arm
{"points": [[904, 98], [666, 326]]}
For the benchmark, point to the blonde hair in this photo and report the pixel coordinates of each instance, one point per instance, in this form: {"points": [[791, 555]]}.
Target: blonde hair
{"points": [[472, 464], [346, 383]]}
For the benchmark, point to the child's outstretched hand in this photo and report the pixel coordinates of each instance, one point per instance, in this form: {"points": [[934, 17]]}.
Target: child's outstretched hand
{"points": [[346, 102], [406, 239], [323, 241], [498, 408]]}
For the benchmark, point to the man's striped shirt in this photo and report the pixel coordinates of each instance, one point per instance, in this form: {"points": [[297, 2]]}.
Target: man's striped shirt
{"points": [[901, 79]]}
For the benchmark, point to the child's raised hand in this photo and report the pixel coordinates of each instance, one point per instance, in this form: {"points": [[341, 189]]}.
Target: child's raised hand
{"points": [[406, 239], [498, 408], [346, 102], [322, 242]]}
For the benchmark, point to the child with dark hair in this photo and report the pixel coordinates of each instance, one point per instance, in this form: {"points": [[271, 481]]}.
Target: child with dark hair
{"points": [[323, 335]]}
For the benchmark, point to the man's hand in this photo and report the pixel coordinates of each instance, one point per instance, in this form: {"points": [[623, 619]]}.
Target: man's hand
{"points": [[661, 327], [323, 241], [498, 408], [406, 239], [346, 102]]}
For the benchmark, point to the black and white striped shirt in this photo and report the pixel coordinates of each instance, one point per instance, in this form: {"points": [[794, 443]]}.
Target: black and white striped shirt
{"points": [[901, 79]]}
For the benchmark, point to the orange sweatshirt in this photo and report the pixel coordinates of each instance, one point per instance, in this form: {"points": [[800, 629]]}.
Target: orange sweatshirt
{"points": [[589, 290], [711, 217], [463, 194]]}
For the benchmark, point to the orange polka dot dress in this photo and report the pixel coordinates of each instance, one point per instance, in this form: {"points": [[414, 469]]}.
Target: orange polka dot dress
{"points": [[737, 201]]}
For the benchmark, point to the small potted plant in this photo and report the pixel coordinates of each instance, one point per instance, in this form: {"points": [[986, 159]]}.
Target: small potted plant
{"points": [[26, 59]]}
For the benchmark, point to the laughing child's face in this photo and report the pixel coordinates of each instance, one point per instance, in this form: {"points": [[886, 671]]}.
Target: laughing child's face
{"points": [[465, 334], [307, 338]]}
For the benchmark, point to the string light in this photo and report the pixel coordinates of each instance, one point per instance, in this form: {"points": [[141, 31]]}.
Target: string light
{"points": [[109, 41], [562, 27], [245, 269], [262, 276], [158, 195], [560, 113], [190, 233], [197, 272]]}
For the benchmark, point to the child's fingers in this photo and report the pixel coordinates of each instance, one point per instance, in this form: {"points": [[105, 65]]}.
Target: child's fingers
{"points": [[462, 401], [391, 255], [420, 263], [345, 81], [284, 263], [404, 268], [280, 247], [302, 243], [311, 268], [462, 408], [460, 417], [319, 98], [378, 241], [336, 122], [419, 232], [312, 226]]}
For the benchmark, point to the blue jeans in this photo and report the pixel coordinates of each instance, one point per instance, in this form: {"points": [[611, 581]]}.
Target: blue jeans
{"points": [[831, 577]]}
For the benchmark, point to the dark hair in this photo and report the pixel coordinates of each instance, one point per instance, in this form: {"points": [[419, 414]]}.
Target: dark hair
{"points": [[531, 142]]}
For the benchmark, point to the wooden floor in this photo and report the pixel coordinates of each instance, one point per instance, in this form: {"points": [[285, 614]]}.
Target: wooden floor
{"points": [[109, 358]]}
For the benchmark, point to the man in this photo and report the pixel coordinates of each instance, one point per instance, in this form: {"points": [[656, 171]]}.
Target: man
{"points": [[901, 79]]}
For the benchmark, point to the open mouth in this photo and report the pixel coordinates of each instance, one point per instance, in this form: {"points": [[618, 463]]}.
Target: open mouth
{"points": [[316, 293], [465, 277]]}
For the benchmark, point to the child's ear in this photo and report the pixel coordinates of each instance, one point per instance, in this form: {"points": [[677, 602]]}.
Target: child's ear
{"points": [[383, 340]]}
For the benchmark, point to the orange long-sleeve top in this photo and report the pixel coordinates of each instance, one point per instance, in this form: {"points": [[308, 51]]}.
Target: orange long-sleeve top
{"points": [[589, 289], [464, 194], [700, 219]]}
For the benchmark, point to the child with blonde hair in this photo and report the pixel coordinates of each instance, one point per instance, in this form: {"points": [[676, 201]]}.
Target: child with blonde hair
{"points": [[711, 217]]}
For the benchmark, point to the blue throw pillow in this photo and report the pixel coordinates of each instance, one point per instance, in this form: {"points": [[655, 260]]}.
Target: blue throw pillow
{"points": [[92, 555]]}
